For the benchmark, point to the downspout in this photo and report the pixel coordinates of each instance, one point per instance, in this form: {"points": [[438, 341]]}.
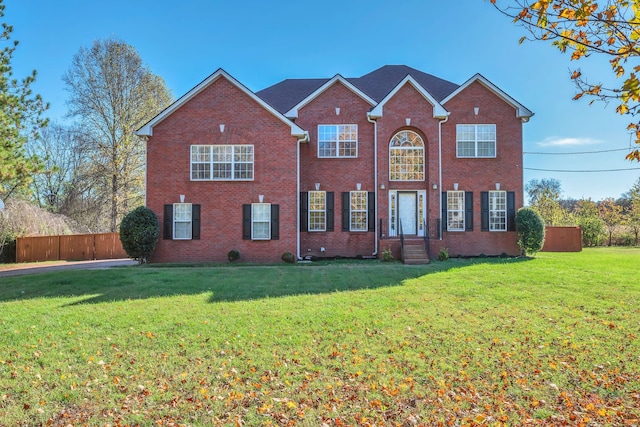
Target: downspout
{"points": [[440, 173], [304, 138], [375, 182]]}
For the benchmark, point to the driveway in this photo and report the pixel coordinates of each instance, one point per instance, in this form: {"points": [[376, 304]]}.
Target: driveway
{"points": [[46, 267]]}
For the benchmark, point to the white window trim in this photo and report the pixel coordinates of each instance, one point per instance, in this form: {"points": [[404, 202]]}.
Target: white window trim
{"points": [[338, 142], [476, 156], [407, 148], [210, 162], [254, 221], [365, 210], [460, 211], [492, 210], [183, 221], [323, 210]]}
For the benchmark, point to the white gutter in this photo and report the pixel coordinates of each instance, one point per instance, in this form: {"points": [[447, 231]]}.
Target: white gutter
{"points": [[375, 182], [440, 173]]}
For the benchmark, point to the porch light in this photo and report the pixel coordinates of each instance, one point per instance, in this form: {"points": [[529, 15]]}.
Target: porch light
{"points": [[476, 110], [260, 198], [317, 186], [221, 127], [434, 186], [408, 121], [337, 111], [182, 198], [358, 186], [455, 186], [497, 185]]}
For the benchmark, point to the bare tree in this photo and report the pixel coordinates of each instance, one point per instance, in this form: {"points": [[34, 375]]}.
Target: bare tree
{"points": [[113, 93]]}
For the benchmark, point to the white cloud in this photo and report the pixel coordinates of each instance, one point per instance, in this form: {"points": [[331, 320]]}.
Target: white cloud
{"points": [[556, 141]]}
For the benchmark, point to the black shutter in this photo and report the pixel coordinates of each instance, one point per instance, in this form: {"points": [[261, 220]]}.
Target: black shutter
{"points": [[275, 222], [468, 211], [329, 201], [346, 208], [246, 222], [304, 211], [371, 211], [484, 211], [445, 206], [511, 211], [195, 222], [168, 222]]}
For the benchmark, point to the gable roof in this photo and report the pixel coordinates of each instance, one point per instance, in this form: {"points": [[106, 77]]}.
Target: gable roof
{"points": [[293, 111], [438, 110], [380, 82], [521, 111], [147, 129]]}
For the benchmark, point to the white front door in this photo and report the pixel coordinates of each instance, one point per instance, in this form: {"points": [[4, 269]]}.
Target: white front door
{"points": [[407, 211]]}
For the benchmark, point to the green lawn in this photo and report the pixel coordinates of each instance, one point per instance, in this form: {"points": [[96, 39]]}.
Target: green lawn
{"points": [[553, 340]]}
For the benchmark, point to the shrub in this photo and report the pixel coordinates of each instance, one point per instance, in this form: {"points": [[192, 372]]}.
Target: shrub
{"points": [[139, 233], [387, 255], [288, 257], [443, 254], [530, 229], [233, 255]]}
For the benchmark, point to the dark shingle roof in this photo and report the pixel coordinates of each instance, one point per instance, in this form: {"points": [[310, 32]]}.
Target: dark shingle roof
{"points": [[285, 95], [377, 84]]}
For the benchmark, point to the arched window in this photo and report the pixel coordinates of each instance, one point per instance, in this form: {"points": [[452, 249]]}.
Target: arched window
{"points": [[406, 157]]}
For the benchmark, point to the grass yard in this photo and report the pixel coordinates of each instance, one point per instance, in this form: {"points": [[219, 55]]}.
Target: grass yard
{"points": [[553, 340]]}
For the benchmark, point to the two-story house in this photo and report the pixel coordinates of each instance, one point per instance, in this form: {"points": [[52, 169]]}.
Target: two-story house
{"points": [[346, 167]]}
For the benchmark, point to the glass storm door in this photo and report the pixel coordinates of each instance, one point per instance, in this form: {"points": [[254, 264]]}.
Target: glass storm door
{"points": [[407, 212]]}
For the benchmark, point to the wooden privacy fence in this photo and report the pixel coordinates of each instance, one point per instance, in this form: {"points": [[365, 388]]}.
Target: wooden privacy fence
{"points": [[75, 247], [562, 239]]}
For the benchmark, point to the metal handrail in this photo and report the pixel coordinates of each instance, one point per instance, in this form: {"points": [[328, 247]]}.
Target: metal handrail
{"points": [[401, 237], [426, 238]]}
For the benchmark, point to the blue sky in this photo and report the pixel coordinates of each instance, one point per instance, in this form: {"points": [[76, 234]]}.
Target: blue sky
{"points": [[262, 42]]}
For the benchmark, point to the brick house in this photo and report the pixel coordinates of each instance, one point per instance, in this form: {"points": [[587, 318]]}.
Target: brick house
{"points": [[394, 160]]}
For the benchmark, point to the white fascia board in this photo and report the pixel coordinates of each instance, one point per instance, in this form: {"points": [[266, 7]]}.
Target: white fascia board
{"points": [[293, 112], [521, 111], [147, 129], [438, 110]]}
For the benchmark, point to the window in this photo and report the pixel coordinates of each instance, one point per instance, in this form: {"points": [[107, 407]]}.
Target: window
{"points": [[221, 162], [476, 140], [358, 213], [497, 211], [181, 221], [317, 211], [337, 140], [455, 211], [261, 221], [406, 157]]}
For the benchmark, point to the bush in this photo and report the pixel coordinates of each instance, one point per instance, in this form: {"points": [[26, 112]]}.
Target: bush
{"points": [[139, 233], [233, 255], [387, 255], [288, 257], [530, 229], [443, 254]]}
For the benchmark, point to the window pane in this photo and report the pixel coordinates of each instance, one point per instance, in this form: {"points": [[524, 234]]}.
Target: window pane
{"points": [[455, 210], [317, 210], [261, 221], [337, 140], [498, 210], [358, 211]]}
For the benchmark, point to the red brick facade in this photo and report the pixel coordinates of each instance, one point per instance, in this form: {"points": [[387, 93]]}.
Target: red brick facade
{"points": [[287, 166]]}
